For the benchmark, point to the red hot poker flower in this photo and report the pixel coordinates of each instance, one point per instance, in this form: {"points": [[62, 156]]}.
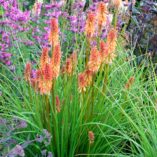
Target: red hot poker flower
{"points": [[103, 51], [94, 60], [82, 82], [27, 72], [101, 15], [45, 80], [70, 64], [56, 59], [91, 137], [44, 57], [90, 25], [54, 33]]}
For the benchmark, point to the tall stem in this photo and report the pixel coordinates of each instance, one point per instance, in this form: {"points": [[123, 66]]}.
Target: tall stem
{"points": [[47, 115], [92, 108], [87, 51], [115, 18], [105, 78], [88, 150]]}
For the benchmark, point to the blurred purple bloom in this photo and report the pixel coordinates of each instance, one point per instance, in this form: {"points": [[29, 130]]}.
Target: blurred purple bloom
{"points": [[65, 14], [39, 138], [17, 151], [43, 152], [28, 43], [7, 62], [47, 137], [12, 68], [49, 154], [22, 124], [2, 120]]}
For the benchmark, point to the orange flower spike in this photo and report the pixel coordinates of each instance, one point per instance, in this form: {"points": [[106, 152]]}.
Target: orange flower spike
{"points": [[40, 81], [56, 59], [27, 72], [38, 74], [111, 41], [48, 72], [117, 3], [58, 108], [44, 79], [103, 50], [82, 82], [101, 15], [90, 24], [44, 57], [74, 60], [94, 60], [54, 33], [88, 75], [112, 35], [69, 66], [129, 83], [91, 137]]}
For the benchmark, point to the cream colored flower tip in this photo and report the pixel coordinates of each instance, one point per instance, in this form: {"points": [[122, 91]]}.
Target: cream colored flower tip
{"points": [[39, 1], [116, 3], [110, 17]]}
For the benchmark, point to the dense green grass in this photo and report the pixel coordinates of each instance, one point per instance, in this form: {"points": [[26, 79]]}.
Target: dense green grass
{"points": [[123, 120]]}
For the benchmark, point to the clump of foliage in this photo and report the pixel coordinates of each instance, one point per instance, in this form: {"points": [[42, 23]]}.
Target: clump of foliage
{"points": [[81, 97], [143, 29]]}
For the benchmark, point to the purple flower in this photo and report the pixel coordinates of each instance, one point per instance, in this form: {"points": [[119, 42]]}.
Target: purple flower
{"points": [[78, 5], [12, 68], [47, 137], [49, 154], [39, 138], [17, 151], [65, 14], [7, 62], [28, 43], [2, 120], [43, 152], [6, 55], [22, 124]]}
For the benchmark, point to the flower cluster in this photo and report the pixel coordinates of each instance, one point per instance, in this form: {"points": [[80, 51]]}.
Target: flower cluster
{"points": [[49, 66], [77, 19], [8, 129], [103, 53], [97, 58], [42, 13], [90, 25], [91, 137], [13, 21], [70, 64]]}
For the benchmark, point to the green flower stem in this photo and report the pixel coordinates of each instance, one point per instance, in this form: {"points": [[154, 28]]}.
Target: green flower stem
{"points": [[105, 78], [115, 18], [89, 148], [47, 114], [92, 99], [87, 50]]}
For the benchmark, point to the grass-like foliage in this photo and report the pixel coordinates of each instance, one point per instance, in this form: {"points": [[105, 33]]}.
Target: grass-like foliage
{"points": [[95, 101]]}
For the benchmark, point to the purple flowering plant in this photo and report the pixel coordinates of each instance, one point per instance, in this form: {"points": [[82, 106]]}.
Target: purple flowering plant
{"points": [[9, 144], [113, 117], [142, 30]]}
